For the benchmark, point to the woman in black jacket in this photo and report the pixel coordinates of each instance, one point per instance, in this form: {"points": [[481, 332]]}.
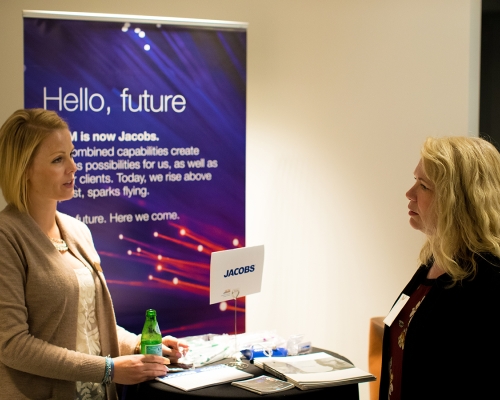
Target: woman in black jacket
{"points": [[442, 337]]}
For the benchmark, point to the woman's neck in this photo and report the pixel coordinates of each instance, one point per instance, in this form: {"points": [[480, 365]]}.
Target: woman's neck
{"points": [[434, 272], [45, 216]]}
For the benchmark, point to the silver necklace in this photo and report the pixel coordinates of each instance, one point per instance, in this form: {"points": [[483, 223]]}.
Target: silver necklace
{"points": [[59, 244]]}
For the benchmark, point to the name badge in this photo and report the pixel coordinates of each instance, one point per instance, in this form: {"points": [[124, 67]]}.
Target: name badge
{"points": [[396, 309]]}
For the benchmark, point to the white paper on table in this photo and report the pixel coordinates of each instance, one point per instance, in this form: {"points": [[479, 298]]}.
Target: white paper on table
{"points": [[203, 377]]}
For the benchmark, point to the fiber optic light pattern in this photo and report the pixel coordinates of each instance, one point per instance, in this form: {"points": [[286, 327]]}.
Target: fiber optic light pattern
{"points": [[185, 276], [158, 115]]}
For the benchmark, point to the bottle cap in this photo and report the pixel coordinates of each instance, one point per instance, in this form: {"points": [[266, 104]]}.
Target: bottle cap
{"points": [[150, 313]]}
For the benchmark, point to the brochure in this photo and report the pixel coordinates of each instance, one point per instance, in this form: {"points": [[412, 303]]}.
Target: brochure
{"points": [[264, 385], [311, 371]]}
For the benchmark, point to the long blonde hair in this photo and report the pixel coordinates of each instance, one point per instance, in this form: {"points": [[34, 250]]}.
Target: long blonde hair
{"points": [[465, 172], [20, 136]]}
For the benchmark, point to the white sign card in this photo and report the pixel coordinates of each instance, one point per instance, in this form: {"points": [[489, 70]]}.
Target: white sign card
{"points": [[235, 273]]}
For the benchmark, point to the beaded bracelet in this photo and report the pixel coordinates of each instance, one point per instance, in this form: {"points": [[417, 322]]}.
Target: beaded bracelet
{"points": [[108, 371]]}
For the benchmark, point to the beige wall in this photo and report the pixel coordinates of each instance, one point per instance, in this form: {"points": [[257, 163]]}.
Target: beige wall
{"points": [[341, 94]]}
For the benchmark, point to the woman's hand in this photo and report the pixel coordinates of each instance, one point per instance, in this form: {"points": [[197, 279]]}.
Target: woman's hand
{"points": [[133, 369], [174, 348]]}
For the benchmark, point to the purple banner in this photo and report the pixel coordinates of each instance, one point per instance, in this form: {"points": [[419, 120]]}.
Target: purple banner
{"points": [[157, 114]]}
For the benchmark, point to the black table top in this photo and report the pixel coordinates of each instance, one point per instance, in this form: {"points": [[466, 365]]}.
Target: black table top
{"points": [[153, 390]]}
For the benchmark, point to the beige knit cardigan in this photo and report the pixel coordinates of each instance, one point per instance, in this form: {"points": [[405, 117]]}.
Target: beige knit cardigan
{"points": [[39, 310]]}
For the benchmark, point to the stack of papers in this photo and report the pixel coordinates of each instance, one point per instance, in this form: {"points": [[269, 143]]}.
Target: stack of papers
{"points": [[315, 370], [202, 377]]}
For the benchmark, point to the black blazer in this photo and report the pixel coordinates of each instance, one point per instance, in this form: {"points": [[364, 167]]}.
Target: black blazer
{"points": [[452, 347]]}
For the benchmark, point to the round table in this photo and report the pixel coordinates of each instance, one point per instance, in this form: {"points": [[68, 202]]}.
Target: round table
{"points": [[153, 390]]}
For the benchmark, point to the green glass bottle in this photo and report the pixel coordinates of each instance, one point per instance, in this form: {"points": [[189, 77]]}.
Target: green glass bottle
{"points": [[151, 335]]}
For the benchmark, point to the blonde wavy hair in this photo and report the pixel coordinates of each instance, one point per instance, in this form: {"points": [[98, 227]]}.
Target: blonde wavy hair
{"points": [[20, 136], [465, 172]]}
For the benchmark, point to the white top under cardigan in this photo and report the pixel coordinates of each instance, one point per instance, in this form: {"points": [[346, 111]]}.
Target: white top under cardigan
{"points": [[87, 333]]}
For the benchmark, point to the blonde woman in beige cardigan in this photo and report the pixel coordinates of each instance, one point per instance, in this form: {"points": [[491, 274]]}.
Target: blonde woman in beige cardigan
{"points": [[59, 338]]}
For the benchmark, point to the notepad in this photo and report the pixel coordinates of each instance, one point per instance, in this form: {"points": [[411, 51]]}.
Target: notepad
{"points": [[203, 377]]}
